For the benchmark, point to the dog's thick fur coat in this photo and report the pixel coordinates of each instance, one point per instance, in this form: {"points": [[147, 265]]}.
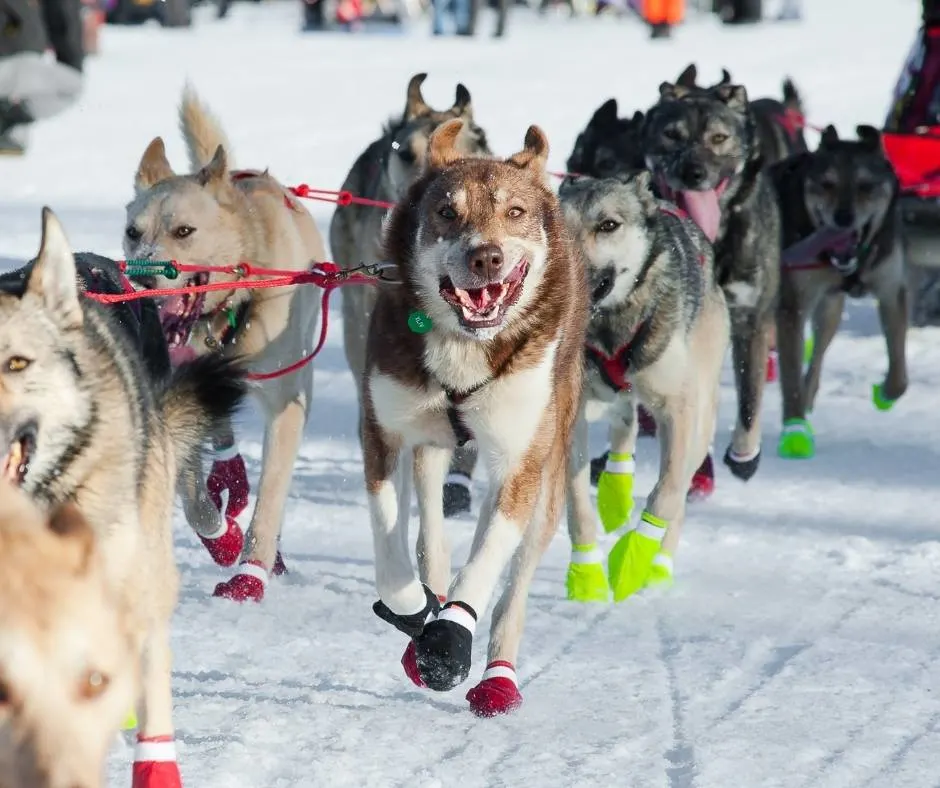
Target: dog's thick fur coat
{"points": [[483, 252]]}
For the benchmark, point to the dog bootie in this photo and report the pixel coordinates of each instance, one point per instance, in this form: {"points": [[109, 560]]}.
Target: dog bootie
{"points": [[155, 763], [130, 722], [773, 367], [586, 581], [229, 475], [797, 441], [631, 560], [615, 491], [808, 345], [661, 572], [878, 398], [443, 649], [246, 586], [703, 480], [498, 691]]}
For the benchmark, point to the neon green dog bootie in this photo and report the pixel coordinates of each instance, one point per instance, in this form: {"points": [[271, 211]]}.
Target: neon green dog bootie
{"points": [[878, 398], [615, 491], [808, 345], [661, 571], [630, 562], [586, 581], [797, 441], [130, 722]]}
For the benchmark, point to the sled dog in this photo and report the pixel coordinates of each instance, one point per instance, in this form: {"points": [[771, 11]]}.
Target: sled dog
{"points": [[217, 216], [839, 206], [658, 331], [486, 265], [84, 421]]}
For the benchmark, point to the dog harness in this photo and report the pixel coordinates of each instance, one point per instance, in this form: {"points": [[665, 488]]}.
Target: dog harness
{"points": [[614, 368]]}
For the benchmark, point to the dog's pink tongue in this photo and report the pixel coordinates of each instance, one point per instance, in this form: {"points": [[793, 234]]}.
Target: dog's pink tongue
{"points": [[171, 306], [825, 239], [704, 209], [479, 300]]}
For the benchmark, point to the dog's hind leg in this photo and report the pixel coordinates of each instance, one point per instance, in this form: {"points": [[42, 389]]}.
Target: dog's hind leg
{"points": [[586, 581], [457, 487], [826, 319], [430, 468], [749, 347], [631, 562], [893, 312], [498, 690]]}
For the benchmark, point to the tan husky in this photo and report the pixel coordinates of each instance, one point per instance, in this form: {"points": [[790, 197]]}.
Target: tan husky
{"points": [[219, 217], [487, 266], [69, 667]]}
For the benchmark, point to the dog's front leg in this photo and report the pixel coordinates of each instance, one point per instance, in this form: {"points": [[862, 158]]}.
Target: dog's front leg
{"points": [[643, 555], [443, 648], [796, 439], [827, 316], [893, 312], [586, 581], [615, 484], [430, 469], [749, 348], [498, 690]]}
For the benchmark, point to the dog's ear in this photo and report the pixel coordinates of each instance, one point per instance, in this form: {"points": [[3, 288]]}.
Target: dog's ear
{"points": [[643, 183], [534, 153], [829, 136], [638, 118], [53, 277], [725, 77], [216, 171], [605, 114], [442, 147], [688, 77], [415, 105], [734, 96], [154, 166], [669, 91], [68, 523], [869, 136], [463, 107]]}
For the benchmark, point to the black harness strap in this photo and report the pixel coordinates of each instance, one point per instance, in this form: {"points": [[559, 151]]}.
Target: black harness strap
{"points": [[455, 398]]}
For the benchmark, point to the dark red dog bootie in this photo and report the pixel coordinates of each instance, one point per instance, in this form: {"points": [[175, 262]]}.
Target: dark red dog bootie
{"points": [[498, 691], [229, 475]]}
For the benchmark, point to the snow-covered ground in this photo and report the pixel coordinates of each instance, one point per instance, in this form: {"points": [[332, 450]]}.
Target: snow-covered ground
{"points": [[800, 644]]}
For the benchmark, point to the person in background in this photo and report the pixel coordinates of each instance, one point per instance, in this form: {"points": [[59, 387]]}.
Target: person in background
{"points": [[462, 11], [32, 86], [661, 15]]}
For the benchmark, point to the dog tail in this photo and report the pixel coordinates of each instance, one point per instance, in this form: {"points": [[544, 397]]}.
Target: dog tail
{"points": [[201, 130], [200, 396], [791, 96]]}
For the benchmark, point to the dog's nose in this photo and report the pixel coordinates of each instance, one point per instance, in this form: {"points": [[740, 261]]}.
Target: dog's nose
{"points": [[694, 172], [844, 217], [485, 260]]}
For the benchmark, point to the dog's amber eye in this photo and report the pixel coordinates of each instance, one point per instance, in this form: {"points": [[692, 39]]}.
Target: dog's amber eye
{"points": [[184, 231], [17, 364], [447, 213], [93, 685], [719, 138], [607, 226], [132, 233], [515, 212]]}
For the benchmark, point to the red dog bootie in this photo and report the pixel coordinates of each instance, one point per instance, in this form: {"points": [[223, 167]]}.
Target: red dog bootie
{"points": [[703, 481], [498, 691], [229, 475], [773, 366], [247, 585], [155, 763]]}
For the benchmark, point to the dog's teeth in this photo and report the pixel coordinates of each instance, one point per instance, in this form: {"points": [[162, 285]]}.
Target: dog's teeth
{"points": [[14, 460]]}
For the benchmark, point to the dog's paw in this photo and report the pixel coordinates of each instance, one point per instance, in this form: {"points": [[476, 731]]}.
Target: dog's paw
{"points": [[586, 581], [597, 468], [443, 649], [703, 480], [498, 691], [246, 586], [797, 441], [880, 400], [630, 561], [743, 468], [456, 495], [615, 492], [412, 624]]}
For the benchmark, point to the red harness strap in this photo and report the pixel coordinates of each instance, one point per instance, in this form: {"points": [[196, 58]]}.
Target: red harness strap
{"points": [[614, 368]]}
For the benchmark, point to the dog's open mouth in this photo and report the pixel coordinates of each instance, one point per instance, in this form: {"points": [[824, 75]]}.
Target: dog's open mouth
{"points": [[19, 454], [703, 207], [179, 313], [485, 307]]}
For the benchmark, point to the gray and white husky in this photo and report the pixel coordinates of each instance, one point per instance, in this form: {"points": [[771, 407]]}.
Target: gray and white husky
{"points": [[658, 332]]}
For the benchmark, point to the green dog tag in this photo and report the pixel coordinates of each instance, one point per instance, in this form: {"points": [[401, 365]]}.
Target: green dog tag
{"points": [[419, 322]]}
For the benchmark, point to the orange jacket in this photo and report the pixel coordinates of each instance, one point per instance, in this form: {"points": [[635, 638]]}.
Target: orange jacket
{"points": [[657, 12]]}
